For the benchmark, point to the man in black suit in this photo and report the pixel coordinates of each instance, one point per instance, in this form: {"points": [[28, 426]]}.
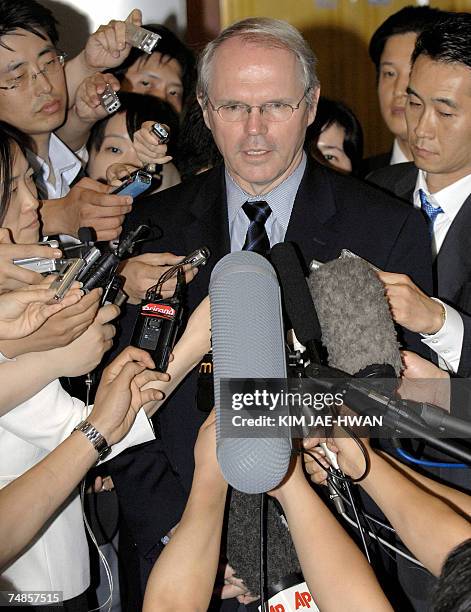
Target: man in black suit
{"points": [[438, 113], [439, 120], [258, 91], [390, 50]]}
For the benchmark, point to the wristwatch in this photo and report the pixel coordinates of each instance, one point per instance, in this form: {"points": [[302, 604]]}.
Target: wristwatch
{"points": [[95, 437]]}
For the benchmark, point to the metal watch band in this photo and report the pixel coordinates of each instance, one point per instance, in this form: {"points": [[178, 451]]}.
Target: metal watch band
{"points": [[95, 437]]}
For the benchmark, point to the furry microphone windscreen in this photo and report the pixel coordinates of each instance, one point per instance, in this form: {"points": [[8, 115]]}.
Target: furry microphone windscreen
{"points": [[357, 329], [243, 542]]}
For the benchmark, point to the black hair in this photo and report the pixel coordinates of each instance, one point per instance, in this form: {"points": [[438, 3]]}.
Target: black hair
{"points": [[197, 150], [448, 40], [28, 15], [408, 19], [139, 108], [169, 45], [328, 113], [8, 137], [453, 589]]}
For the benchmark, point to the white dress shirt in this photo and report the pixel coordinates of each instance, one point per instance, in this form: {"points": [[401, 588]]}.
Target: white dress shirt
{"points": [[397, 156], [58, 558], [65, 164], [447, 342]]}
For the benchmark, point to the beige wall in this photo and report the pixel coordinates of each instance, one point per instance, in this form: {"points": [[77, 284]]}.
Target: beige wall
{"points": [[339, 31]]}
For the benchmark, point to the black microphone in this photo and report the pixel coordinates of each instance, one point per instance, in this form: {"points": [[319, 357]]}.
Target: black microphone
{"points": [[297, 299]]}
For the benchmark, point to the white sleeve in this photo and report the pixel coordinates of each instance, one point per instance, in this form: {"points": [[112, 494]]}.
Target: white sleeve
{"points": [[49, 417], [448, 340]]}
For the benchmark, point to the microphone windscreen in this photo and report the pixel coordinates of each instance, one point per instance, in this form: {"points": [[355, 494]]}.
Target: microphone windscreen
{"points": [[357, 328], [243, 542], [297, 299], [247, 340]]}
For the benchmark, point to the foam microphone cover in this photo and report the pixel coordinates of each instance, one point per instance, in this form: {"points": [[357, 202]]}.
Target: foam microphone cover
{"points": [[247, 340], [357, 328]]}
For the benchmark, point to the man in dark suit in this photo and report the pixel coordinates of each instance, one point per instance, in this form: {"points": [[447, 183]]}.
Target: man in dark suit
{"points": [[438, 115], [439, 120], [390, 50], [258, 91]]}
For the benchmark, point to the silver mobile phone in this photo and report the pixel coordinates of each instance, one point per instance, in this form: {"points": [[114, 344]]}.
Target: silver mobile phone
{"points": [[109, 100], [43, 265], [66, 277], [142, 39]]}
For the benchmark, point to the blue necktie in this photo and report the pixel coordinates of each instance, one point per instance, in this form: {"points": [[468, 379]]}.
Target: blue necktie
{"points": [[257, 238], [432, 212]]}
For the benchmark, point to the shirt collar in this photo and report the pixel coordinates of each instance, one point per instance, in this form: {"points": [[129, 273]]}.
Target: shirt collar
{"points": [[61, 157], [397, 156], [280, 199], [450, 198]]}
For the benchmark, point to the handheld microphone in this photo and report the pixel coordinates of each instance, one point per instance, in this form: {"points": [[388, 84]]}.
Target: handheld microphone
{"points": [[297, 298], [247, 337]]}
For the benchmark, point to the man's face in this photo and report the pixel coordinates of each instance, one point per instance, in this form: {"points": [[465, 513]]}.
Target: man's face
{"points": [[393, 79], [258, 154], [38, 106], [438, 116], [157, 75]]}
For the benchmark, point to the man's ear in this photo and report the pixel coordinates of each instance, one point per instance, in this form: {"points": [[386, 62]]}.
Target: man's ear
{"points": [[313, 106], [204, 108]]}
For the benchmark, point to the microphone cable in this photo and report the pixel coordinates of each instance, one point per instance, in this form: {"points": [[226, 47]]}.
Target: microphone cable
{"points": [[425, 463]]}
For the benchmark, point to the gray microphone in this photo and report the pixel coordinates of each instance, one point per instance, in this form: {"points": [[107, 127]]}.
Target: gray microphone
{"points": [[247, 339], [357, 328]]}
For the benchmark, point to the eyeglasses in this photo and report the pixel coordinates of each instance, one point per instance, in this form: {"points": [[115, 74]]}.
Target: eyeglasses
{"points": [[50, 66], [277, 112]]}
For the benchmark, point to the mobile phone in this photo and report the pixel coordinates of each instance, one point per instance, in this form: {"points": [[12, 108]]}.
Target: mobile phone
{"points": [[142, 39], [43, 265], [197, 258], [66, 277], [138, 182], [109, 100], [162, 134]]}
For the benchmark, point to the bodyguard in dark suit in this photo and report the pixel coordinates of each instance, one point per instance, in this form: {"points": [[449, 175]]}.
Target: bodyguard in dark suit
{"points": [[258, 91], [439, 120]]}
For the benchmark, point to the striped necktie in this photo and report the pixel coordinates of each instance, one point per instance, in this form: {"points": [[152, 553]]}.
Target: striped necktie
{"points": [[257, 238]]}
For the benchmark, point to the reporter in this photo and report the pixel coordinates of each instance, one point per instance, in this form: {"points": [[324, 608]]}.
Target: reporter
{"points": [[424, 522], [23, 311], [37, 494], [183, 576]]}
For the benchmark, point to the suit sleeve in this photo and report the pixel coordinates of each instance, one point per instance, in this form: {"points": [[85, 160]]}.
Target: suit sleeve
{"points": [[411, 255]]}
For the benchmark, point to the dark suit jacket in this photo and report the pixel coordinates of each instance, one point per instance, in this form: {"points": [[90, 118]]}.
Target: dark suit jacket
{"points": [[331, 212], [375, 162], [452, 266]]}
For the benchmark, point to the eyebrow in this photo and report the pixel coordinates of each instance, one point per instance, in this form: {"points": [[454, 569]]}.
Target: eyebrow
{"points": [[154, 75], [447, 101], [14, 65], [339, 149], [115, 136]]}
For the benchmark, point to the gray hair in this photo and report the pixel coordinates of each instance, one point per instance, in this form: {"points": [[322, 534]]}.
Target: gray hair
{"points": [[266, 31]]}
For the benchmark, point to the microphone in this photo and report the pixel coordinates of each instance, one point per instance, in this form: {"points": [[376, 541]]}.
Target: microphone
{"points": [[357, 328], [297, 298], [247, 339]]}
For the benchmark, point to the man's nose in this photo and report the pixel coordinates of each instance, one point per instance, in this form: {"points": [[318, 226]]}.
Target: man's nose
{"points": [[256, 123]]}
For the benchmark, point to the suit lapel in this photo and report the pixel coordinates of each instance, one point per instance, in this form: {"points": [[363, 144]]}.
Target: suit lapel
{"points": [[314, 207], [405, 185], [454, 259], [208, 226]]}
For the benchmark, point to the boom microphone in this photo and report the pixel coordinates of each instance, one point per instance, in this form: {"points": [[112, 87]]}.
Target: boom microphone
{"points": [[247, 338], [357, 329]]}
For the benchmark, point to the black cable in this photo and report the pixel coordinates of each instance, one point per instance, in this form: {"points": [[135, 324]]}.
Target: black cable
{"points": [[263, 603], [360, 526]]}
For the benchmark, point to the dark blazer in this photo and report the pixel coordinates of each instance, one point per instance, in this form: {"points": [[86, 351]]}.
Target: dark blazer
{"points": [[375, 162], [331, 212], [452, 265]]}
